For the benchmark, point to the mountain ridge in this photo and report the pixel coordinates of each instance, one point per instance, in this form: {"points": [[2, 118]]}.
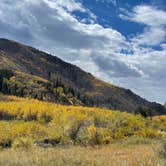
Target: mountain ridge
{"points": [[40, 75]]}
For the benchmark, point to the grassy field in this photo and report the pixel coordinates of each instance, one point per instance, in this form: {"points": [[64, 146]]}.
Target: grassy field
{"points": [[40, 134], [116, 154]]}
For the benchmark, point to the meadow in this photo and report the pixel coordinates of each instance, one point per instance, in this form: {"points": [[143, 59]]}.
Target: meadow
{"points": [[116, 154], [33, 132]]}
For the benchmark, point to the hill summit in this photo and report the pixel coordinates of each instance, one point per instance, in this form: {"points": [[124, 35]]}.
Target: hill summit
{"points": [[28, 72]]}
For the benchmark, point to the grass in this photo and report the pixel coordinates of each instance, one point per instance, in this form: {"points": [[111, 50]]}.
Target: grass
{"points": [[110, 155]]}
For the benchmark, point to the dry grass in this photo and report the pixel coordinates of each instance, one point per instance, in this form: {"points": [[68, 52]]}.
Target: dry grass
{"points": [[160, 118], [111, 155]]}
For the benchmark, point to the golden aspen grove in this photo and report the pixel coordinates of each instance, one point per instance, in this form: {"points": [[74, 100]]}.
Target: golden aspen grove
{"points": [[31, 125]]}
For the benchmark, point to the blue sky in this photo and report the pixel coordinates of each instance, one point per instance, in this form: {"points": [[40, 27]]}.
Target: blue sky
{"points": [[107, 15], [120, 41]]}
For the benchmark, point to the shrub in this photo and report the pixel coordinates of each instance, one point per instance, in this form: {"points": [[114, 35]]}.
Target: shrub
{"points": [[162, 151], [22, 142], [148, 133], [28, 129], [98, 136], [77, 123], [5, 135], [5, 143], [151, 133], [44, 117], [80, 125]]}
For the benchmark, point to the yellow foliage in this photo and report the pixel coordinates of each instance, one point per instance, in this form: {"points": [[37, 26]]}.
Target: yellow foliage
{"points": [[39, 120]]}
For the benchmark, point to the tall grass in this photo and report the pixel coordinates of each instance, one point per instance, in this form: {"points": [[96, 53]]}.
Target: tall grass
{"points": [[110, 155]]}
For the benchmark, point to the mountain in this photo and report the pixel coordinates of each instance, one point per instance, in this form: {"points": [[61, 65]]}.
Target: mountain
{"points": [[28, 72]]}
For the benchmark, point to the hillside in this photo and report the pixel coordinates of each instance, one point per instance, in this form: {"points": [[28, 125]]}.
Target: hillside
{"points": [[37, 120], [34, 132], [28, 72]]}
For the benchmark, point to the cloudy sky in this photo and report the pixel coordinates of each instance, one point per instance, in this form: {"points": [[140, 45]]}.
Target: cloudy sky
{"points": [[120, 41]]}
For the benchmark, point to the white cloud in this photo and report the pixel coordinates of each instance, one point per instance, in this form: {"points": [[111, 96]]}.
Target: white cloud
{"points": [[155, 21], [151, 36], [147, 15], [69, 5]]}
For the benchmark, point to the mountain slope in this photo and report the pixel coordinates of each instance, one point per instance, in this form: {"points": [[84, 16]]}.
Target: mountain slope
{"points": [[26, 71]]}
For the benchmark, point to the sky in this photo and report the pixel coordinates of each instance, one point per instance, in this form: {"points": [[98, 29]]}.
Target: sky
{"points": [[120, 41]]}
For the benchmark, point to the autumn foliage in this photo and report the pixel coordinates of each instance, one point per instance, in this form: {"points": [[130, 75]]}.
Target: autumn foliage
{"points": [[39, 121]]}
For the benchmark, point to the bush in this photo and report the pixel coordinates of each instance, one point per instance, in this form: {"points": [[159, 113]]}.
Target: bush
{"points": [[71, 124], [5, 143], [151, 133], [22, 142], [162, 151], [28, 129], [5, 135], [98, 136]]}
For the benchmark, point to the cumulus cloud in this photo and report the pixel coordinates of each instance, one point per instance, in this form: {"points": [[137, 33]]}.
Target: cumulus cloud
{"points": [[115, 67], [148, 15], [145, 58], [155, 21], [51, 26]]}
